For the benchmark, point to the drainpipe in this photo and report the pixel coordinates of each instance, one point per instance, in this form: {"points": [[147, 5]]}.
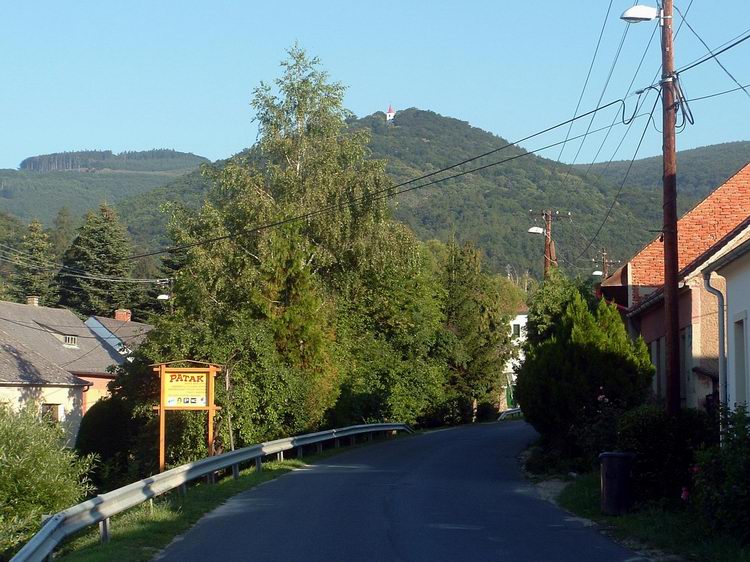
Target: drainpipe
{"points": [[722, 358]]}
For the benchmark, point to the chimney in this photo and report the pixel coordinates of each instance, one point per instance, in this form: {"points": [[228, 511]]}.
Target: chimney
{"points": [[123, 315], [32, 300]]}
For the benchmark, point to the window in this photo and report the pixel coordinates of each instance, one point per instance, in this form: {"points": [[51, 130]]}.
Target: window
{"points": [[516, 330], [71, 341], [740, 365], [51, 413]]}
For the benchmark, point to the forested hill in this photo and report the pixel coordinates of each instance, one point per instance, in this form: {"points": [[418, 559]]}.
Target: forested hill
{"points": [[699, 170], [82, 180], [156, 160], [491, 207]]}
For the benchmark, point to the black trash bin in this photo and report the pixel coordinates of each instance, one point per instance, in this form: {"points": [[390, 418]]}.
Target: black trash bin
{"points": [[616, 487]]}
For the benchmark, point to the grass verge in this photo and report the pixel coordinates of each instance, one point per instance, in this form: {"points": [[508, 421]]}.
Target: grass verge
{"points": [[140, 533], [676, 531]]}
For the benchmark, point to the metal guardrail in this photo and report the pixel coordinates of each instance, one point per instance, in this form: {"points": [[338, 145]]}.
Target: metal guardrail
{"points": [[508, 413], [100, 508]]}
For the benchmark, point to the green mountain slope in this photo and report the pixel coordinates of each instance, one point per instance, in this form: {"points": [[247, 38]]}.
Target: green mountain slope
{"points": [[82, 180], [490, 207]]}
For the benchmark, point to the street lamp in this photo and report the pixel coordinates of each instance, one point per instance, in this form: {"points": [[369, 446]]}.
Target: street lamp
{"points": [[597, 273], [637, 14], [536, 230]]}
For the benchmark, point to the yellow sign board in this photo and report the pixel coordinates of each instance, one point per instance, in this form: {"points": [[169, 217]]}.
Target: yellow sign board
{"points": [[185, 390]]}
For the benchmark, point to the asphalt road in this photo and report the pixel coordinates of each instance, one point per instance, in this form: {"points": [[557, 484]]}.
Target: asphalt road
{"points": [[453, 494]]}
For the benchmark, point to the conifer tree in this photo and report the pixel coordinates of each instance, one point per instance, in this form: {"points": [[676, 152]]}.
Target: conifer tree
{"points": [[34, 272], [99, 249], [475, 318], [63, 232]]}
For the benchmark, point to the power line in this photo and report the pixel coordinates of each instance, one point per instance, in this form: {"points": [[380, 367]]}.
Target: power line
{"points": [[624, 179], [724, 68], [588, 76], [715, 54], [28, 261], [601, 96], [719, 93]]}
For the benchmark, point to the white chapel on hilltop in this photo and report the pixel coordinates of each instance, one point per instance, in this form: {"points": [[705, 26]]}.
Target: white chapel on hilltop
{"points": [[390, 114]]}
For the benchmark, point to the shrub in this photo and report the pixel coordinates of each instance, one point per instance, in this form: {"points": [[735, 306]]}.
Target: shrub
{"points": [[104, 432], [38, 475], [665, 448], [722, 478], [563, 380]]}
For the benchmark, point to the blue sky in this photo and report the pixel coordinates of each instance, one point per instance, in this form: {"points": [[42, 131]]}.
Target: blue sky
{"points": [[168, 74]]}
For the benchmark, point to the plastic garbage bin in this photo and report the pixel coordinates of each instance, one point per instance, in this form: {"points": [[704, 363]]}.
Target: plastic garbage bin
{"points": [[616, 487]]}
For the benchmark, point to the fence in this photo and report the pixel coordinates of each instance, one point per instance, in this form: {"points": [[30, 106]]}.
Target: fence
{"points": [[102, 507]]}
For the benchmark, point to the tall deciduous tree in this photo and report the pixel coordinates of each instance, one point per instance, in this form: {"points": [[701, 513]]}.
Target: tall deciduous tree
{"points": [[34, 271], [97, 254]]}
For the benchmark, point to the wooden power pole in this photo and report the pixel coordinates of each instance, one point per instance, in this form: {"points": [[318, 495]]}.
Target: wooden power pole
{"points": [[547, 241], [671, 297]]}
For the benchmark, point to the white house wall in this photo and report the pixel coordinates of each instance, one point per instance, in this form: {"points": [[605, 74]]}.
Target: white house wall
{"points": [[70, 400], [737, 275]]}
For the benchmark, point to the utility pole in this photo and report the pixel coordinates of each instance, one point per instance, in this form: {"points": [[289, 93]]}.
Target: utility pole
{"points": [[548, 248], [671, 297]]}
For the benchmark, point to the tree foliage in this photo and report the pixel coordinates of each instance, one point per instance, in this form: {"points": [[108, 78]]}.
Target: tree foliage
{"points": [[588, 359], [38, 475], [34, 269], [100, 249], [343, 317]]}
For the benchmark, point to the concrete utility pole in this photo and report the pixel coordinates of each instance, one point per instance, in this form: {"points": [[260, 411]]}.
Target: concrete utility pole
{"points": [[671, 297]]}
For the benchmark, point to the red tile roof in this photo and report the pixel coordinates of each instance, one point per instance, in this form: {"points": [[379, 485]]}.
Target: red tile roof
{"points": [[697, 231]]}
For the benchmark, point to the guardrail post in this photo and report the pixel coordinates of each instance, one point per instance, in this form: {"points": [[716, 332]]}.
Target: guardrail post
{"points": [[336, 443], [236, 471], [258, 464], [368, 436], [300, 452], [183, 489], [104, 531], [353, 440], [280, 456], [320, 448]]}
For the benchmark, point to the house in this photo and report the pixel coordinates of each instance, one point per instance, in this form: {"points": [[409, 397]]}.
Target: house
{"points": [[28, 378], [120, 334], [58, 337], [713, 228], [518, 337], [734, 268]]}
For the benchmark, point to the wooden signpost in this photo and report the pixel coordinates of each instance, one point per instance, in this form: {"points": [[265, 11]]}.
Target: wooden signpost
{"points": [[185, 388]]}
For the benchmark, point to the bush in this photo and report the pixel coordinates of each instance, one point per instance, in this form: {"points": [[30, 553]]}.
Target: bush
{"points": [[564, 379], [722, 478], [104, 432], [38, 475], [665, 448]]}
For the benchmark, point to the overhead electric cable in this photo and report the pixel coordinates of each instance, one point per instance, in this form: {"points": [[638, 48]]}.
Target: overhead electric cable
{"points": [[714, 54], [601, 97], [724, 68], [624, 179], [699, 98], [588, 76]]}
